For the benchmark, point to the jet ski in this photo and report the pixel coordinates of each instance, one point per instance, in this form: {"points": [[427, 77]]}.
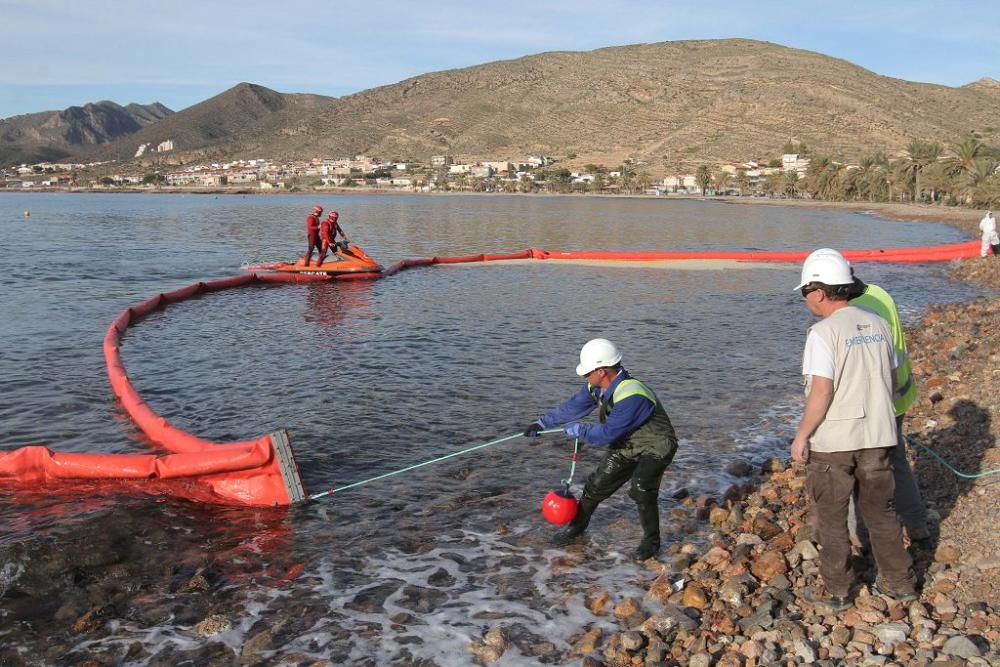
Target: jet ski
{"points": [[351, 259]]}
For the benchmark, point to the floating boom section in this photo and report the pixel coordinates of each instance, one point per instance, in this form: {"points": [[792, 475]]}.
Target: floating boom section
{"points": [[255, 472], [920, 255], [940, 253], [263, 471]]}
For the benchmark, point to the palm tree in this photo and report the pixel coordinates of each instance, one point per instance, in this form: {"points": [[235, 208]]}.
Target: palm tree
{"points": [[937, 178], [873, 181], [919, 154], [972, 181], [790, 183], [847, 184], [742, 181], [774, 183], [643, 181], [703, 177], [964, 156], [987, 193], [597, 185], [821, 177], [721, 180]]}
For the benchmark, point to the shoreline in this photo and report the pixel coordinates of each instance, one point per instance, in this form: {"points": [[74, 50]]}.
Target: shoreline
{"points": [[754, 552], [966, 219], [740, 602]]}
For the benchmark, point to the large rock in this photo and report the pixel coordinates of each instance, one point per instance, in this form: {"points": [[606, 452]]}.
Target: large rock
{"points": [[588, 642], [769, 565], [962, 647], [695, 596]]}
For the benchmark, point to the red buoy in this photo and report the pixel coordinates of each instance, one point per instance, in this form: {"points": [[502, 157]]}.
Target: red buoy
{"points": [[559, 507]]}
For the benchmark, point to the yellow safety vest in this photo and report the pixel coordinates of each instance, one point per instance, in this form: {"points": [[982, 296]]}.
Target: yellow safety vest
{"points": [[877, 300]]}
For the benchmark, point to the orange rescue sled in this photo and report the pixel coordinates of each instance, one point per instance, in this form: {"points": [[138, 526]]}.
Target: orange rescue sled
{"points": [[352, 260]]}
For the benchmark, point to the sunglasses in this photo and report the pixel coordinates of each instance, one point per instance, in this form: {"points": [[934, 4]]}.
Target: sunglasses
{"points": [[808, 289]]}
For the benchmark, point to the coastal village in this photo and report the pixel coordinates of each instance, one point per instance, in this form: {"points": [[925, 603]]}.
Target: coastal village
{"points": [[966, 173], [533, 173]]}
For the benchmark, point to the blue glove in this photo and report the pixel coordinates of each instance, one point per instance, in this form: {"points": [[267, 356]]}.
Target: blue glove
{"points": [[575, 430]]}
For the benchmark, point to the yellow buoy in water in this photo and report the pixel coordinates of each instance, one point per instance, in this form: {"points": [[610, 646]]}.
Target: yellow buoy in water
{"points": [[27, 214]]}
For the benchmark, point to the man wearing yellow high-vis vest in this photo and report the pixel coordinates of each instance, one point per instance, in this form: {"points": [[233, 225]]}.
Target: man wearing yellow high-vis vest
{"points": [[909, 504], [633, 426]]}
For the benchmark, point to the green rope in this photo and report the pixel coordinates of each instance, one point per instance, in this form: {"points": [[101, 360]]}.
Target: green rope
{"points": [[914, 441], [427, 463]]}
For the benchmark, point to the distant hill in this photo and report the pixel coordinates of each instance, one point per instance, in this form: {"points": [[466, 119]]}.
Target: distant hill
{"points": [[668, 106], [985, 85], [221, 125], [53, 135]]}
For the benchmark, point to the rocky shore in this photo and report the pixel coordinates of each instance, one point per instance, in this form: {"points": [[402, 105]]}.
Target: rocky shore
{"points": [[731, 596], [738, 600]]}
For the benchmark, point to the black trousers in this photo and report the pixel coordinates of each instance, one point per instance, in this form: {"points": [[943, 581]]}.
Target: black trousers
{"points": [[645, 472]]}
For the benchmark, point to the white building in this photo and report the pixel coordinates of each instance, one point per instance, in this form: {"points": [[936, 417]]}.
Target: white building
{"points": [[499, 166], [682, 184], [795, 162]]}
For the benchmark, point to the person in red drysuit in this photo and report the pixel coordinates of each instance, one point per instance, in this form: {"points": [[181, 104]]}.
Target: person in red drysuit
{"points": [[328, 235], [312, 233]]}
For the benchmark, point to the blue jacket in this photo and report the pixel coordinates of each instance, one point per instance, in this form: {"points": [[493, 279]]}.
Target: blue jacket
{"points": [[628, 415]]}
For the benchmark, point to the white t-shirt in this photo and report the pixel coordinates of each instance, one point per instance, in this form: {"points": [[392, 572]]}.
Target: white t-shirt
{"points": [[817, 358]]}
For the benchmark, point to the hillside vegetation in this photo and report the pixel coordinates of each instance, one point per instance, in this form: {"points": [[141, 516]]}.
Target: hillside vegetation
{"points": [[668, 106]]}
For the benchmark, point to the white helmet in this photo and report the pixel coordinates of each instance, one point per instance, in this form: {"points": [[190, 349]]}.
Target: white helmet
{"points": [[598, 353], [826, 266], [825, 251]]}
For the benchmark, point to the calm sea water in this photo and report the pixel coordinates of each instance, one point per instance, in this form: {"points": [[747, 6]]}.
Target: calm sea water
{"points": [[370, 377]]}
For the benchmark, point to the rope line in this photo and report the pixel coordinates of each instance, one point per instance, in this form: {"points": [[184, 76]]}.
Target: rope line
{"points": [[914, 441], [572, 467], [427, 463]]}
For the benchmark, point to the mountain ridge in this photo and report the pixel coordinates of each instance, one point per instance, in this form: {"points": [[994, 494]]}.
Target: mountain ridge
{"points": [[201, 130], [53, 135], [666, 106]]}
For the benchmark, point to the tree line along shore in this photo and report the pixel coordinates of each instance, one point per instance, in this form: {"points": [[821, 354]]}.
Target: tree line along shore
{"points": [[961, 174]]}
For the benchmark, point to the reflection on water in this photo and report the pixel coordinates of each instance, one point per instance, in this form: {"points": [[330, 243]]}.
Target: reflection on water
{"points": [[370, 377]]}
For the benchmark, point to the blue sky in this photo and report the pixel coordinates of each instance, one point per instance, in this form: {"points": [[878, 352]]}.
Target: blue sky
{"points": [[59, 53]]}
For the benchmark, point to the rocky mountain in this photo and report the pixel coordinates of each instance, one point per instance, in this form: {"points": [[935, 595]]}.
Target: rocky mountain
{"points": [[224, 125], [667, 106], [53, 135]]}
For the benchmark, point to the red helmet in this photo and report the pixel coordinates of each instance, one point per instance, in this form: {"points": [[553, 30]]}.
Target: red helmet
{"points": [[317, 209]]}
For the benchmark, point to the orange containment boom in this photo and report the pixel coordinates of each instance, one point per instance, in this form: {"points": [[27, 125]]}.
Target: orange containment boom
{"points": [[263, 471], [255, 472], [941, 253]]}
